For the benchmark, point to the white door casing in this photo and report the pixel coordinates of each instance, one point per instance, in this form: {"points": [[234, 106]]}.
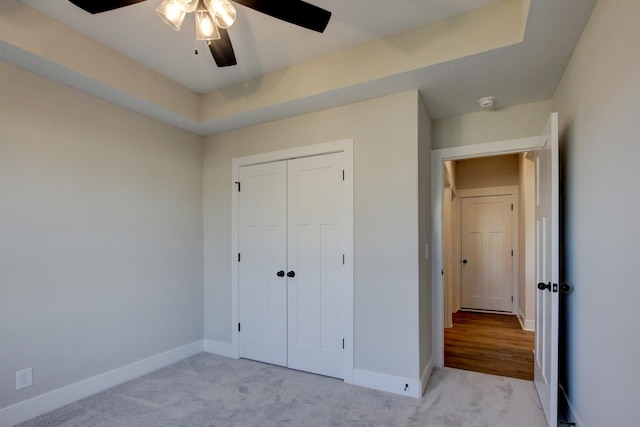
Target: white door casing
{"points": [[487, 253], [547, 270], [450, 260], [343, 323]]}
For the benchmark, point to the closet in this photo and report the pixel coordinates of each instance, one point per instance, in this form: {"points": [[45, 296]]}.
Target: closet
{"points": [[292, 280]]}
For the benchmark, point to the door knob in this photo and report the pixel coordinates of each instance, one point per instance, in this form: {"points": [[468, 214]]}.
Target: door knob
{"points": [[291, 274], [280, 273], [566, 288], [464, 261], [543, 286]]}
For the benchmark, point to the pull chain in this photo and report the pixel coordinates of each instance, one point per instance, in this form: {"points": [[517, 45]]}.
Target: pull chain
{"points": [[196, 44]]}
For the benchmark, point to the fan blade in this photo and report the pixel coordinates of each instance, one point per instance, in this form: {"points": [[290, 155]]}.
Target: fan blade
{"points": [[295, 12], [222, 50], [104, 5]]}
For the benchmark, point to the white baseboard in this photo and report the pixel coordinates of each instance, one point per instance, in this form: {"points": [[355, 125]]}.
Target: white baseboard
{"points": [[572, 415], [426, 374], [526, 324], [220, 348], [388, 383], [58, 398]]}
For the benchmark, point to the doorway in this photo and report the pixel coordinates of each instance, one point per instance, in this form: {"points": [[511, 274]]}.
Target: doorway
{"points": [[482, 274], [545, 151], [443, 313]]}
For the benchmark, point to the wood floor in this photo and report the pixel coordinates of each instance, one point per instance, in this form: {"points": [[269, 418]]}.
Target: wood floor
{"points": [[489, 343]]}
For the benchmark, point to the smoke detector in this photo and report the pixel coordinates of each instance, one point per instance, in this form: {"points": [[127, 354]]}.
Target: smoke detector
{"points": [[487, 103]]}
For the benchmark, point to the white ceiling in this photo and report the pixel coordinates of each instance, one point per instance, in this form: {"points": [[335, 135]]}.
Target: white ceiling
{"points": [[518, 73], [262, 44]]}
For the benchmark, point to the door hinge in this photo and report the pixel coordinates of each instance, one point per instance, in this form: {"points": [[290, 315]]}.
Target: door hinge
{"points": [[238, 184], [343, 343], [511, 298], [238, 326], [511, 252], [238, 256], [342, 259], [343, 174], [512, 206], [555, 288]]}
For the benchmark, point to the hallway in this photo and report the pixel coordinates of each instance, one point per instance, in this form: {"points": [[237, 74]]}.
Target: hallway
{"points": [[490, 343]]}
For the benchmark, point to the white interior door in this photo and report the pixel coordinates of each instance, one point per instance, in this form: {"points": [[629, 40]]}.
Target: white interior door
{"points": [[291, 275], [263, 250], [315, 255], [547, 270], [487, 256]]}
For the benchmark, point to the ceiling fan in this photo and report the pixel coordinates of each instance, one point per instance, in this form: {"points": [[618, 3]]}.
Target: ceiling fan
{"points": [[213, 17]]}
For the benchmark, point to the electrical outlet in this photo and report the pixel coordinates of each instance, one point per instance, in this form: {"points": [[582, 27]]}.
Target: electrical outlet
{"points": [[24, 378]]}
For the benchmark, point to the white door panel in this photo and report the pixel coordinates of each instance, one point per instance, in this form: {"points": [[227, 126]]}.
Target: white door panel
{"points": [[262, 245], [487, 266], [315, 245], [547, 270]]}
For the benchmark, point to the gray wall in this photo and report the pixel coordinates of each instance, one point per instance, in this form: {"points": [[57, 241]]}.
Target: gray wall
{"points": [[385, 133], [424, 216], [598, 101], [518, 121], [101, 235]]}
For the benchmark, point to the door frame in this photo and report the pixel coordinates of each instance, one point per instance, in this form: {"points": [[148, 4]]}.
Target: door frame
{"points": [[438, 157], [345, 146]]}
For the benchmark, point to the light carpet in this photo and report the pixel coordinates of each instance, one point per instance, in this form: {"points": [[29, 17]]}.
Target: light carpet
{"points": [[210, 390]]}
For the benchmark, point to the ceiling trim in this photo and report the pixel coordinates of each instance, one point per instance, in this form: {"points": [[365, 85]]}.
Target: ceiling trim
{"points": [[38, 43]]}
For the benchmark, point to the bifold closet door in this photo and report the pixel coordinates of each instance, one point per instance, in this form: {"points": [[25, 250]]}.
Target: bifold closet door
{"points": [[315, 254], [263, 250]]}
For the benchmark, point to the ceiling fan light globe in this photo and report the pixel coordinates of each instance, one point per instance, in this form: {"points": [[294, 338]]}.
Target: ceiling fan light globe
{"points": [[223, 12], [206, 28], [171, 13], [225, 20], [188, 5]]}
